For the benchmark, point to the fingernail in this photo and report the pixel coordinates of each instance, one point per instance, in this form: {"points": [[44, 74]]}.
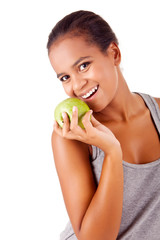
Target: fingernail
{"points": [[74, 108], [63, 114]]}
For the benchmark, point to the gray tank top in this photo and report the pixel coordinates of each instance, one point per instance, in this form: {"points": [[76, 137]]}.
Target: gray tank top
{"points": [[141, 197]]}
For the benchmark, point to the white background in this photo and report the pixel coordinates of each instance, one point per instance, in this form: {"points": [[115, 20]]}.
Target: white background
{"points": [[31, 203]]}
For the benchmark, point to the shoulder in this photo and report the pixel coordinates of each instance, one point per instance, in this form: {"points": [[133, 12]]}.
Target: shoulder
{"points": [[63, 142], [158, 101], [63, 147]]}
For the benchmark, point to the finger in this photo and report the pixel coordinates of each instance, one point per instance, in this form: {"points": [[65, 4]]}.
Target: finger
{"points": [[57, 128], [66, 124], [94, 121], [87, 120], [76, 130], [74, 119]]}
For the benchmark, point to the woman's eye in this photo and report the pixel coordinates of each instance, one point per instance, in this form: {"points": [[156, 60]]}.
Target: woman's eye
{"points": [[83, 66], [64, 78]]}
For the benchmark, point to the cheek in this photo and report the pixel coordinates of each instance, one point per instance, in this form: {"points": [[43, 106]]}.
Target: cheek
{"points": [[68, 89], [109, 83], [112, 82], [103, 70], [111, 75]]}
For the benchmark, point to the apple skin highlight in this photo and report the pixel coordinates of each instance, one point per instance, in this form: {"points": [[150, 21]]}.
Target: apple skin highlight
{"points": [[67, 106]]}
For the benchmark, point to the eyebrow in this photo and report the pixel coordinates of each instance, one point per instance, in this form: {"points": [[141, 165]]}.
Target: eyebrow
{"points": [[78, 61]]}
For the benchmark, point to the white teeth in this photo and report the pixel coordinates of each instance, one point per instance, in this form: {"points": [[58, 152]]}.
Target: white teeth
{"points": [[90, 92]]}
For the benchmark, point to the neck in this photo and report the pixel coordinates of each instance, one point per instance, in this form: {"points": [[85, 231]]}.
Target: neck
{"points": [[123, 107]]}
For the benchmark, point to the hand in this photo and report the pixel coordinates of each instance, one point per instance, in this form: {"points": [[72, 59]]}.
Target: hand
{"points": [[94, 133]]}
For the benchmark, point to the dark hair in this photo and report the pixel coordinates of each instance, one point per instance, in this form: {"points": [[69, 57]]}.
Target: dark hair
{"points": [[84, 23]]}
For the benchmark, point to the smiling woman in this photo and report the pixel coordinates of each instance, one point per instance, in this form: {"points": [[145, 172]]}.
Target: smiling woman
{"points": [[103, 168]]}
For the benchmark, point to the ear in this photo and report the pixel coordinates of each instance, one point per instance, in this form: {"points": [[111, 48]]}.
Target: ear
{"points": [[115, 53]]}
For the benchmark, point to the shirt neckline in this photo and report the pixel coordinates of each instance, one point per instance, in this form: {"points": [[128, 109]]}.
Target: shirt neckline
{"points": [[144, 165]]}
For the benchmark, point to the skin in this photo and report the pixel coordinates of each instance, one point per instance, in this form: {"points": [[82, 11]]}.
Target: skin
{"points": [[119, 120]]}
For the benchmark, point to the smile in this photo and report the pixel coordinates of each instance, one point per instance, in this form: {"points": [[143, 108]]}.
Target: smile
{"points": [[90, 93]]}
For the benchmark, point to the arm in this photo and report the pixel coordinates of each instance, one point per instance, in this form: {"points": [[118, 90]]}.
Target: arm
{"points": [[94, 213]]}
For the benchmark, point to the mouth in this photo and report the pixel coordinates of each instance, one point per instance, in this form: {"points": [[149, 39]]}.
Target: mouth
{"points": [[90, 93]]}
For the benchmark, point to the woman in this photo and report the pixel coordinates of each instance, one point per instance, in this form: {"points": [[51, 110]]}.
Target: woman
{"points": [[109, 172]]}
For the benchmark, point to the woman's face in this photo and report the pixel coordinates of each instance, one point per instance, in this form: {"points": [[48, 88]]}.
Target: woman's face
{"points": [[86, 73]]}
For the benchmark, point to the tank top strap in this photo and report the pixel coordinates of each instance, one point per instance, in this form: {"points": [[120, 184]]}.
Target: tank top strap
{"points": [[154, 109]]}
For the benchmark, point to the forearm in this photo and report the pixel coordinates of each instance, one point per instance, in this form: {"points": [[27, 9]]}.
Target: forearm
{"points": [[103, 216]]}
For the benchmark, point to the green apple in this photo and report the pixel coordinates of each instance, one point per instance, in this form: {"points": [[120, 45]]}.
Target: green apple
{"points": [[67, 106]]}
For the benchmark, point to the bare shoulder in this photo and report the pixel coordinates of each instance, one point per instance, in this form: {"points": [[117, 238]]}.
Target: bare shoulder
{"points": [[158, 101], [63, 146]]}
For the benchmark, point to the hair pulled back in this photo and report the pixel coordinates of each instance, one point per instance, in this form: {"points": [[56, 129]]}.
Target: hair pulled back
{"points": [[84, 23]]}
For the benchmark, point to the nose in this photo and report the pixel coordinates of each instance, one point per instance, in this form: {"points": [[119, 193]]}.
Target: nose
{"points": [[78, 82]]}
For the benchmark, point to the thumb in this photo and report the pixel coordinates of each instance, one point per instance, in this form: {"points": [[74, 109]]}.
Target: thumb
{"points": [[87, 117], [94, 121]]}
